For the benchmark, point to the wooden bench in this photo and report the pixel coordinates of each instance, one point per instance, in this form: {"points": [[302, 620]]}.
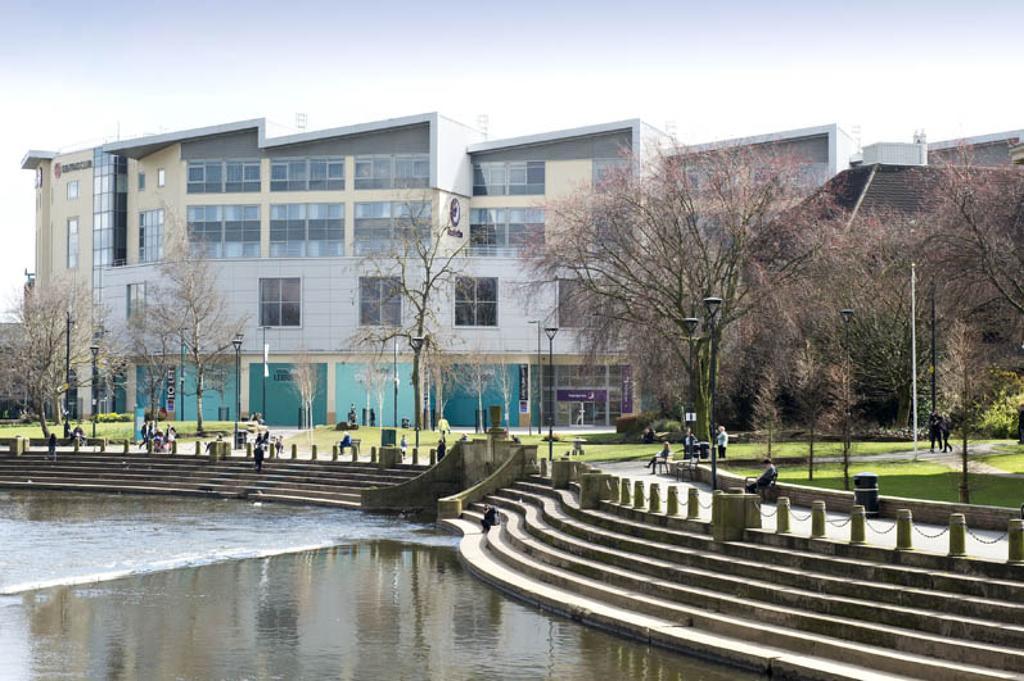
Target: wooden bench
{"points": [[688, 467], [759, 489]]}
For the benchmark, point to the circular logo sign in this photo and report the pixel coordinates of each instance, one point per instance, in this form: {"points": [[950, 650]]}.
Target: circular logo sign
{"points": [[455, 212], [56, 169]]}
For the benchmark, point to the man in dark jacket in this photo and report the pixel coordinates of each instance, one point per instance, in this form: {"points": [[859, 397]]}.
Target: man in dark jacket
{"points": [[51, 447]]}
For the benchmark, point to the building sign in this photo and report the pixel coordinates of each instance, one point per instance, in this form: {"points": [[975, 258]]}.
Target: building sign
{"points": [[61, 168], [171, 394], [582, 395], [524, 407], [524, 382], [627, 389]]}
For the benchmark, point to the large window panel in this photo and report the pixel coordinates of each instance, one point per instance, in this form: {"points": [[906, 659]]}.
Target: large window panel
{"points": [[382, 225], [400, 171], [380, 301], [72, 243], [151, 236], [281, 302], [505, 231], [476, 301], [307, 229], [224, 231], [216, 177], [513, 178]]}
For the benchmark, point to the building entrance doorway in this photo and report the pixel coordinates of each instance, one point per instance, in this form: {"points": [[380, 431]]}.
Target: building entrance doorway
{"points": [[582, 414]]}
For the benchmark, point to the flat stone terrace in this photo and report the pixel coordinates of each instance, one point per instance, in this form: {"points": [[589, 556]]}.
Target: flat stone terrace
{"points": [[301, 481]]}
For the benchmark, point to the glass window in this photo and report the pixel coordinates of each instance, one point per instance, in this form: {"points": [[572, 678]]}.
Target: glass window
{"points": [[215, 177], [382, 225], [161, 177], [280, 302], [151, 231], [605, 169], [514, 178], [380, 301], [476, 301], [72, 189], [387, 172], [505, 231], [72, 241], [136, 299], [224, 231], [307, 229], [142, 182], [313, 174]]}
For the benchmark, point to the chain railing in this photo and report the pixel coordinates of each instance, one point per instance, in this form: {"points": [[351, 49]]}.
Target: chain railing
{"points": [[874, 529], [983, 540], [926, 535], [840, 523]]}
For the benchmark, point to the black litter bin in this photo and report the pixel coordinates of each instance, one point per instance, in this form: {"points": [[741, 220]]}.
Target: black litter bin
{"points": [[705, 449], [387, 437], [240, 438], [865, 492]]}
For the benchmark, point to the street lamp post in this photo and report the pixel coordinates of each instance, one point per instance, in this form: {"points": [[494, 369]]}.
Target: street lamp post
{"points": [[935, 361], [95, 349], [67, 372], [846, 315], [181, 381], [551, 331], [712, 305], [237, 342], [691, 324], [394, 414], [417, 344]]}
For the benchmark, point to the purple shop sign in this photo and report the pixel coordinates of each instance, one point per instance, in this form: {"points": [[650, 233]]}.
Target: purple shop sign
{"points": [[582, 395], [627, 389]]}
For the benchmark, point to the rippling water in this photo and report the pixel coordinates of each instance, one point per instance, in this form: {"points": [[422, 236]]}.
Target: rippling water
{"points": [[386, 599]]}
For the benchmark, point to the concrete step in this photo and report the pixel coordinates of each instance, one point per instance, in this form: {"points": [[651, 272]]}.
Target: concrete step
{"points": [[870, 657], [267, 475], [877, 624]]}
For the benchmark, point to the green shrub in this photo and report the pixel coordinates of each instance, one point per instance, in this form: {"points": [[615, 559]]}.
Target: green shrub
{"points": [[667, 426], [344, 425], [999, 420], [627, 424], [114, 417]]}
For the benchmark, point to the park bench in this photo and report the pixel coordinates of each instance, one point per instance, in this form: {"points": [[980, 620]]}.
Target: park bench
{"points": [[760, 489], [687, 467]]}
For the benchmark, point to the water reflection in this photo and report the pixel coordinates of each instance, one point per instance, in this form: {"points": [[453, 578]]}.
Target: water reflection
{"points": [[375, 611]]}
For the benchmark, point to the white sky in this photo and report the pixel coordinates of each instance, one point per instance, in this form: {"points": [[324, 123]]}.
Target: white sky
{"points": [[72, 75]]}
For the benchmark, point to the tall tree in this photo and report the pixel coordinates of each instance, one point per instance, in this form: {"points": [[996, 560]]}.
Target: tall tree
{"points": [[305, 380], [809, 384], [477, 376], [766, 406], [647, 247], [965, 383]]}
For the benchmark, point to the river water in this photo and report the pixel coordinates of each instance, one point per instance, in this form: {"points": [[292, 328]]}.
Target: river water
{"points": [[133, 587]]}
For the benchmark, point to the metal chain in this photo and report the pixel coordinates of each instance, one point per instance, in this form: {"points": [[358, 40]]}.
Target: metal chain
{"points": [[930, 536], [836, 523], [796, 516], [878, 531], [998, 539], [760, 509], [702, 505]]}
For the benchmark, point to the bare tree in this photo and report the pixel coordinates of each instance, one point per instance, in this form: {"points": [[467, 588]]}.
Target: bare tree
{"points": [[421, 259], [443, 377], [376, 378], [305, 380], [192, 303], [844, 399], [646, 248], [766, 408], [153, 348], [506, 384], [965, 384], [477, 377], [812, 391], [39, 342]]}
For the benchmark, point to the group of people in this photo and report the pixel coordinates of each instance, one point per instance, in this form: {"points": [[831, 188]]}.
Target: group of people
{"points": [[162, 441], [262, 447], [690, 445], [938, 432]]}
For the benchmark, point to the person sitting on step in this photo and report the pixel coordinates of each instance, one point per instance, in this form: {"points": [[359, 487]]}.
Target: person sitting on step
{"points": [[661, 456], [490, 518], [345, 442]]}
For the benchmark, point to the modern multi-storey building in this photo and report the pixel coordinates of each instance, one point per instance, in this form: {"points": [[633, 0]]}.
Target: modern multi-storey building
{"points": [[292, 223]]}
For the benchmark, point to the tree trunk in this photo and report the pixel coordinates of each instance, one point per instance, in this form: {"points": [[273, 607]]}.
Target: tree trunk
{"points": [[42, 418], [200, 375], [810, 453], [965, 491], [417, 398], [904, 405]]}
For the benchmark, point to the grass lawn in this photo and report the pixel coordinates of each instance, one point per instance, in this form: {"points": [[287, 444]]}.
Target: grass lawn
{"points": [[1011, 462], [115, 431], [919, 480]]}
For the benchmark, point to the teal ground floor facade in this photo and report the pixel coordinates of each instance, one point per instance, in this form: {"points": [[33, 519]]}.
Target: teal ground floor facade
{"points": [[381, 394]]}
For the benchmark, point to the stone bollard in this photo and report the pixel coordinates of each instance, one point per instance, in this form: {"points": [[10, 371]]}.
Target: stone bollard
{"points": [[198, 448], [672, 505], [715, 506], [782, 515], [957, 535], [373, 455], [312, 452], [76, 447], [654, 502], [248, 450], [590, 490], [858, 521], [692, 503], [543, 468], [904, 530], [149, 447], [624, 492], [638, 494], [818, 519], [415, 456], [561, 472], [335, 450], [103, 446], [433, 456], [355, 453], [295, 451], [1015, 541], [174, 447], [126, 447]]}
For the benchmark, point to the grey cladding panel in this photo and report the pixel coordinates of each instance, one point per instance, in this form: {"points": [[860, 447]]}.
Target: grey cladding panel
{"points": [[233, 145], [807, 149], [992, 154], [414, 139], [608, 145]]}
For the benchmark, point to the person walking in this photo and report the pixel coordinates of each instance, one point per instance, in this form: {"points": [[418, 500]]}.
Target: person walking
{"points": [[944, 427], [373, 418], [404, 445], [441, 449], [722, 441], [689, 445], [51, 447], [934, 429], [279, 445], [257, 454]]}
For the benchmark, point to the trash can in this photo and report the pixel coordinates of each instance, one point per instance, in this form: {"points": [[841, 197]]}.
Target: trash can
{"points": [[705, 449], [865, 492], [240, 438], [387, 437]]}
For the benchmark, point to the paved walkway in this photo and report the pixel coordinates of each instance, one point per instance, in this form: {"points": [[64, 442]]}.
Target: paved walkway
{"points": [[880, 531]]}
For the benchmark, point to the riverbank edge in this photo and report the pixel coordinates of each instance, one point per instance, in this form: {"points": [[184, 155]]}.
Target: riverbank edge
{"points": [[683, 639]]}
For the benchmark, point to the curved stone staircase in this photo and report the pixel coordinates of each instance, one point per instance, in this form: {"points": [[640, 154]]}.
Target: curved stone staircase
{"points": [[782, 610], [324, 483]]}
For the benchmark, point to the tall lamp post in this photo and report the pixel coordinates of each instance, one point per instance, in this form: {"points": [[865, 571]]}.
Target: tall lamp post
{"points": [[691, 324], [67, 373], [181, 380], [237, 342], [935, 360], [551, 331], [712, 305], [394, 414], [95, 349], [417, 344], [847, 314]]}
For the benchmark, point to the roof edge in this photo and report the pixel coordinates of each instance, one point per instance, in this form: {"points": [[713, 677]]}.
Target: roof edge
{"points": [[977, 139], [33, 157], [631, 124]]}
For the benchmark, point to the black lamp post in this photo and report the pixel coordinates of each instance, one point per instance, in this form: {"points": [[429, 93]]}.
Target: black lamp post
{"points": [[551, 331], [181, 381], [67, 372], [95, 349], [691, 324], [417, 344], [237, 342], [847, 314], [394, 414], [712, 305]]}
